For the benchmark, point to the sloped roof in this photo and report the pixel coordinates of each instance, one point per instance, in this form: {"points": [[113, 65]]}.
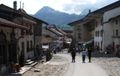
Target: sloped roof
{"points": [[39, 20], [6, 8], [55, 30], [7, 23], [66, 27], [20, 12]]}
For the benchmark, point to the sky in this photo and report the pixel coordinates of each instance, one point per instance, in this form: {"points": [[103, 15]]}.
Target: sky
{"points": [[67, 6]]}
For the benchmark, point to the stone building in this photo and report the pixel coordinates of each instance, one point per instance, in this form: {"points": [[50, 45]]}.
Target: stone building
{"points": [[8, 42], [111, 27], [17, 35], [51, 36], [100, 26]]}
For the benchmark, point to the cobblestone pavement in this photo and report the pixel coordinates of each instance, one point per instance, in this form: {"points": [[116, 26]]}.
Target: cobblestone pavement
{"points": [[111, 65], [55, 67]]}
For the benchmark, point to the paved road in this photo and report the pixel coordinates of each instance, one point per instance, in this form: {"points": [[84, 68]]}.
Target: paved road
{"points": [[83, 69]]}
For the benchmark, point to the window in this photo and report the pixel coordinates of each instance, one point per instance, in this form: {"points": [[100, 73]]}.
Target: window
{"points": [[79, 35], [27, 45], [98, 44], [117, 32], [95, 23], [116, 21], [101, 33], [96, 33], [31, 45], [101, 21], [22, 32], [101, 44]]}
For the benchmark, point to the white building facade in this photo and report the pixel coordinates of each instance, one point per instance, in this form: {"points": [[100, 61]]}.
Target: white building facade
{"points": [[111, 27]]}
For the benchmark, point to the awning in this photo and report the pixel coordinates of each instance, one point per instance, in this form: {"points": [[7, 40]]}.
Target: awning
{"points": [[7, 23]]}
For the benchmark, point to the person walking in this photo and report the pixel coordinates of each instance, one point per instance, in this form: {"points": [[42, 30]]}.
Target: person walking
{"points": [[73, 53], [89, 54], [84, 53], [72, 50]]}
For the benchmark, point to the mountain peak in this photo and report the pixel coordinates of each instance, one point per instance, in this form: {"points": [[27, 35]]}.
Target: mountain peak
{"points": [[47, 8], [55, 17]]}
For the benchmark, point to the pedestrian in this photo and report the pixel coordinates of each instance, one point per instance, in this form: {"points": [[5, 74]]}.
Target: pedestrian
{"points": [[89, 54], [73, 54], [84, 53], [72, 50]]}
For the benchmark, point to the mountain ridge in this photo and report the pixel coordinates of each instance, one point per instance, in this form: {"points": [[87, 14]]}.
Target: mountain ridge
{"points": [[56, 17]]}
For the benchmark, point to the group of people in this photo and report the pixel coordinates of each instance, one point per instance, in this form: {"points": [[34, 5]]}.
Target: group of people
{"points": [[85, 52]]}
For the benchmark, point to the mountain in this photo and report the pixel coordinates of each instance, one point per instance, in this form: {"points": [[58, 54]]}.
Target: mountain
{"points": [[56, 17]]}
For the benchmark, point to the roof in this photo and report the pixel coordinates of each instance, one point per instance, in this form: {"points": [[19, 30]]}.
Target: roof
{"points": [[20, 12], [113, 18], [53, 29], [39, 20], [77, 21], [66, 27], [7, 23], [6, 8], [61, 31]]}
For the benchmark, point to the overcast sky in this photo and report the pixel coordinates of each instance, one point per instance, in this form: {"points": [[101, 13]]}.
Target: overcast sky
{"points": [[68, 6]]}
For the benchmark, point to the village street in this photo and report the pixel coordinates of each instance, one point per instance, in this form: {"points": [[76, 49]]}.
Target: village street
{"points": [[61, 65]]}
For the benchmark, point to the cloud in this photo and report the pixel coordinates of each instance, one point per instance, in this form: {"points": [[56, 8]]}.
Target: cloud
{"points": [[78, 6], [68, 6]]}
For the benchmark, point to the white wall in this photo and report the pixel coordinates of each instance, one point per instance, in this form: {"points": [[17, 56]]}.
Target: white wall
{"points": [[109, 19], [99, 27], [110, 14], [107, 36]]}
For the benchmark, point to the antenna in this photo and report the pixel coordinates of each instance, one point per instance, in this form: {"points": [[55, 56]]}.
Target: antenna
{"points": [[20, 4], [89, 11]]}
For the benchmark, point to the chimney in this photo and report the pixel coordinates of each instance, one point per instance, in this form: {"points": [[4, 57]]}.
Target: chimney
{"points": [[89, 11], [15, 5]]}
